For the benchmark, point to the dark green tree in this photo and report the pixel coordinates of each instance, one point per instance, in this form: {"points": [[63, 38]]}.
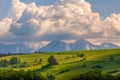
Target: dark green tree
{"points": [[52, 61], [4, 63], [14, 60], [112, 58], [81, 55]]}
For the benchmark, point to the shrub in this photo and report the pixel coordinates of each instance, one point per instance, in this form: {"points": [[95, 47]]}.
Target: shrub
{"points": [[97, 66], [63, 71], [113, 71], [22, 65]]}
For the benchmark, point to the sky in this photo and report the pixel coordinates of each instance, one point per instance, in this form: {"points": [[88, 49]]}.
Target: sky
{"points": [[46, 20], [103, 7]]}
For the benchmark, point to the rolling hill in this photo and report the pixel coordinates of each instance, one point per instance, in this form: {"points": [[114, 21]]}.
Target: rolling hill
{"points": [[70, 63]]}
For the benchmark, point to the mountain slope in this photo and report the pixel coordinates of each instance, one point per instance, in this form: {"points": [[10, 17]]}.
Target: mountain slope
{"points": [[108, 45], [81, 44], [56, 46], [15, 48]]}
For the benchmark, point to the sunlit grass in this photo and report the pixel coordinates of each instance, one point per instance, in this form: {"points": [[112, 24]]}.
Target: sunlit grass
{"points": [[70, 61]]}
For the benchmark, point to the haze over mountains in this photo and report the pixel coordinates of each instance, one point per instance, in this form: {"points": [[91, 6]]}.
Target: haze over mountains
{"points": [[55, 46]]}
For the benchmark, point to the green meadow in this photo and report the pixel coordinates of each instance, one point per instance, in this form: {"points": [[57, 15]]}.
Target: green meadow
{"points": [[70, 64]]}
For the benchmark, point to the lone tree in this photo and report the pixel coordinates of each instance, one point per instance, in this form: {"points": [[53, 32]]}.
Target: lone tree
{"points": [[82, 55], [112, 58], [52, 61]]}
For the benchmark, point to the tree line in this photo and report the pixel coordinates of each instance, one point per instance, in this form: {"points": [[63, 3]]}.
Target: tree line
{"points": [[24, 75], [12, 61], [96, 75], [20, 75]]}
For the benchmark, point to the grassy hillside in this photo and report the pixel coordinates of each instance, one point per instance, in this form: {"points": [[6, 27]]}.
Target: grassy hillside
{"points": [[70, 63]]}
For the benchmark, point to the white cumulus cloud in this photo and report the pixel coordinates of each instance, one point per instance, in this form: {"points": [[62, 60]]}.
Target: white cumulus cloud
{"points": [[112, 25], [69, 16], [16, 9], [5, 26], [67, 19]]}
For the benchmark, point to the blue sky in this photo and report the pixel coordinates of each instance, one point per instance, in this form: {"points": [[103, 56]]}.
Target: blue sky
{"points": [[4, 6], [103, 7]]}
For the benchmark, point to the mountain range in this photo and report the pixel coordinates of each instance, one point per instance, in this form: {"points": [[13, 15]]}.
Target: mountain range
{"points": [[56, 46], [15, 48]]}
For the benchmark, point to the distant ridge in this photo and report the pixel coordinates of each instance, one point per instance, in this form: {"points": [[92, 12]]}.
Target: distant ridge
{"points": [[56, 46], [15, 48], [81, 44]]}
